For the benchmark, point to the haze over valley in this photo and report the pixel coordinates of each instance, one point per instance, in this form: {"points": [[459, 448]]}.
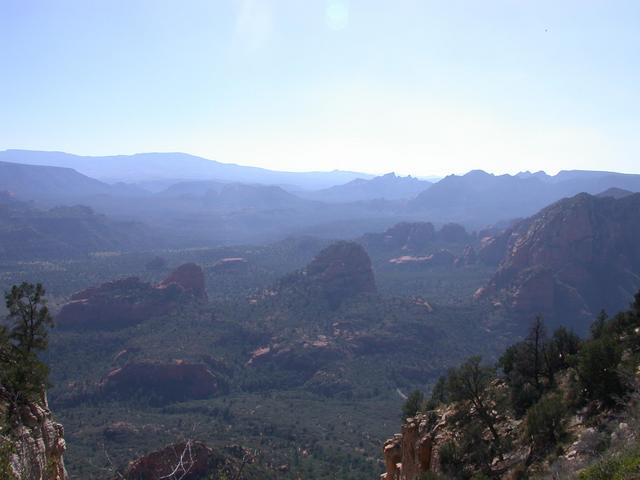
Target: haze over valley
{"points": [[334, 239]]}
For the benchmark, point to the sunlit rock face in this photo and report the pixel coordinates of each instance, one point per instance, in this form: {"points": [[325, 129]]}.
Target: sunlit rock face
{"points": [[37, 442]]}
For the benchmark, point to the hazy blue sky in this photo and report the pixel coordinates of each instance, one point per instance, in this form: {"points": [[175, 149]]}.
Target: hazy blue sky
{"points": [[418, 87]]}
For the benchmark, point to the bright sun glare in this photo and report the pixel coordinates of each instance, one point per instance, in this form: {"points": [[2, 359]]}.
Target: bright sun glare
{"points": [[337, 15]]}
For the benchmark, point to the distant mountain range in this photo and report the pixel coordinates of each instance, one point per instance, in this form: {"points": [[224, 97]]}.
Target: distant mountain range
{"points": [[233, 204], [29, 182], [147, 167], [389, 187], [233, 195], [481, 198], [28, 233]]}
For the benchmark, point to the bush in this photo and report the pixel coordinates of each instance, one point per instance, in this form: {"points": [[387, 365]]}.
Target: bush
{"points": [[620, 467], [544, 424], [413, 404], [451, 460], [597, 368]]}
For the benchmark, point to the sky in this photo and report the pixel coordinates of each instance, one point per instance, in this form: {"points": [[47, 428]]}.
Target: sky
{"points": [[413, 86]]}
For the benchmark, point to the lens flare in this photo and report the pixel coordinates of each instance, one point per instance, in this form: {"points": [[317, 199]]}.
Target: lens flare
{"points": [[337, 15]]}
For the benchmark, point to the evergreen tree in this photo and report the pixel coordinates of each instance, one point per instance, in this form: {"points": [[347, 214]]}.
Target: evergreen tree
{"points": [[413, 404], [470, 383], [23, 374]]}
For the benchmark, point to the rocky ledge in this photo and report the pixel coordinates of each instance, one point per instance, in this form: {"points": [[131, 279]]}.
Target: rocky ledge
{"points": [[34, 441]]}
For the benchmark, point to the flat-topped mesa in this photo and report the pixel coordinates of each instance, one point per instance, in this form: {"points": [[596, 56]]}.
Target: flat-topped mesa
{"points": [[128, 301], [340, 271]]}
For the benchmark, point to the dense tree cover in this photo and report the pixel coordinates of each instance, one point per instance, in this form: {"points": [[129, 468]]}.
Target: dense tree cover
{"points": [[22, 374], [545, 377], [530, 366]]}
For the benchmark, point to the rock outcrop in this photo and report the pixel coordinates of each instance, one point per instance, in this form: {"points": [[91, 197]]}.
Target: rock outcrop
{"points": [[125, 302], [441, 258], [468, 257], [419, 448], [190, 460], [188, 277], [340, 271], [416, 449], [175, 381], [35, 442], [572, 259], [415, 236], [231, 265]]}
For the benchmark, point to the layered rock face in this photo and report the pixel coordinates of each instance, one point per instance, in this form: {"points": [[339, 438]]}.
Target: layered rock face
{"points": [[126, 302], [178, 380], [570, 260], [414, 451], [35, 441], [340, 271]]}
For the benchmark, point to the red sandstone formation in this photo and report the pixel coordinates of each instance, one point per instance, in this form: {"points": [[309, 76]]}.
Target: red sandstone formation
{"points": [[126, 302], [578, 255], [189, 277], [340, 271], [185, 460]]}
